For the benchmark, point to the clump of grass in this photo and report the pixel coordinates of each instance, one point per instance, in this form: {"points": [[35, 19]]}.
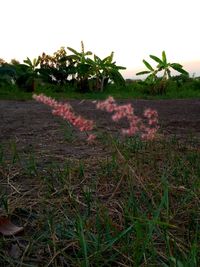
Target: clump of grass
{"points": [[137, 207]]}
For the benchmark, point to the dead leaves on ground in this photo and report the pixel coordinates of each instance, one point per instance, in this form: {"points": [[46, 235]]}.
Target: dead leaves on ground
{"points": [[7, 228]]}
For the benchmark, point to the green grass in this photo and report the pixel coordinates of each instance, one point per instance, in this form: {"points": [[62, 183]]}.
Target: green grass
{"points": [[137, 207], [190, 89]]}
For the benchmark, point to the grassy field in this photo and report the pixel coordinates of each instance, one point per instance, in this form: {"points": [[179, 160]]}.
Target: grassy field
{"points": [[137, 207]]}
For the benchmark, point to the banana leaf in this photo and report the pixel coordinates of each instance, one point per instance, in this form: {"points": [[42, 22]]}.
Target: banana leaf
{"points": [[176, 65], [156, 59], [148, 65], [73, 51], [28, 62], [164, 59], [116, 77], [181, 70], [143, 72], [96, 58], [88, 53], [108, 59]]}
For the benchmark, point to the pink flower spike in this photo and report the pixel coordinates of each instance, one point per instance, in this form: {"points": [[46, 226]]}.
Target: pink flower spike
{"points": [[91, 138], [149, 113]]}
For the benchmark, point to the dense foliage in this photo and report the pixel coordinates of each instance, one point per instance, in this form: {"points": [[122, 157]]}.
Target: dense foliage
{"points": [[85, 72], [77, 69]]}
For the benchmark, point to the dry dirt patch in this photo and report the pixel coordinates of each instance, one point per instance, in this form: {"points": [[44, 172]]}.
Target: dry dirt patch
{"points": [[31, 124]]}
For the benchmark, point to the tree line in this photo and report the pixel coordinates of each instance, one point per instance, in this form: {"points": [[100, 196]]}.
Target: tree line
{"points": [[78, 69]]}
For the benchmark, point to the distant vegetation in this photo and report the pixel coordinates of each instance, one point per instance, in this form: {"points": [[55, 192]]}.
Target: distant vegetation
{"points": [[76, 69], [73, 73]]}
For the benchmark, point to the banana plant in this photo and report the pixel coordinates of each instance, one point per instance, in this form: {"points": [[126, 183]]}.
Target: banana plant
{"points": [[32, 64], [157, 84], [57, 68], [105, 69], [165, 66], [31, 72], [80, 56], [81, 68], [152, 77]]}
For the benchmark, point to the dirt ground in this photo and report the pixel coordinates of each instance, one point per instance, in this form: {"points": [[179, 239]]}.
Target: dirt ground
{"points": [[30, 124]]}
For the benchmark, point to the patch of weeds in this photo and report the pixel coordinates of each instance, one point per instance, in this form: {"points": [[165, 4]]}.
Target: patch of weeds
{"points": [[68, 132], [145, 217], [15, 154]]}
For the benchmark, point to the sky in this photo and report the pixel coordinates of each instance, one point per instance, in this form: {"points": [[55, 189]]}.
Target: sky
{"points": [[133, 29]]}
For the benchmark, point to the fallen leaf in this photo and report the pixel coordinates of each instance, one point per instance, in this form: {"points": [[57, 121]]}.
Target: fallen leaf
{"points": [[7, 228]]}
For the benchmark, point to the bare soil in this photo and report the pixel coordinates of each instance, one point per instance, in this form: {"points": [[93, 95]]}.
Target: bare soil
{"points": [[30, 124]]}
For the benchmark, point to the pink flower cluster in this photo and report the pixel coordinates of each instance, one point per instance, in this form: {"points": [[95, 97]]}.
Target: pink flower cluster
{"points": [[135, 123], [66, 112], [46, 100]]}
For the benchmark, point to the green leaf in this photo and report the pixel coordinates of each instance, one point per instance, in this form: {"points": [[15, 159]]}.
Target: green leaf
{"points": [[120, 67], [148, 65], [182, 71], [73, 51], [90, 61], [156, 59], [111, 57], [116, 77], [106, 60], [96, 58], [28, 62], [73, 57], [143, 72], [177, 67], [88, 53], [164, 58]]}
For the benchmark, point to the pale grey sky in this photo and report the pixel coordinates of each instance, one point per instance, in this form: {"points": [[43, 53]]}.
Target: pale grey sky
{"points": [[133, 29]]}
